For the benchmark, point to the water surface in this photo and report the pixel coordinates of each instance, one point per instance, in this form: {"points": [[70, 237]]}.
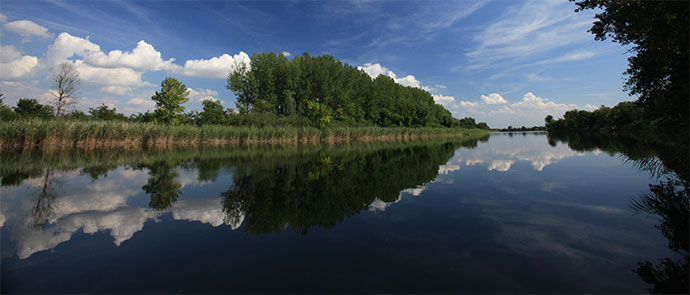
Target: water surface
{"points": [[509, 213]]}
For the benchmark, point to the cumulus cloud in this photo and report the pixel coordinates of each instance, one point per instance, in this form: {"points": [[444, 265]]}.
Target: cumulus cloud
{"points": [[532, 101], [116, 90], [14, 66], [207, 211], [493, 98], [147, 103], [447, 168], [442, 99], [66, 46], [202, 94], [26, 29], [469, 104], [9, 53], [500, 165], [216, 67], [590, 107], [286, 53], [376, 69], [97, 76], [142, 58]]}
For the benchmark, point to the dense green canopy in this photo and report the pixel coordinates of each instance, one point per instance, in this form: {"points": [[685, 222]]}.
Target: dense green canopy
{"points": [[325, 90]]}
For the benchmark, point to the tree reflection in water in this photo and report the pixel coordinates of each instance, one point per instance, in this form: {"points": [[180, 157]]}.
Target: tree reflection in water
{"points": [[162, 187], [42, 211], [668, 199], [322, 190]]}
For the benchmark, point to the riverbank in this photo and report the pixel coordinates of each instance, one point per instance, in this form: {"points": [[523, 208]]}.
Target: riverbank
{"points": [[112, 133]]}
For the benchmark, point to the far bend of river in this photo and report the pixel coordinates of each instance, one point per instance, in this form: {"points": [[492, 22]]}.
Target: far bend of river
{"points": [[508, 213]]}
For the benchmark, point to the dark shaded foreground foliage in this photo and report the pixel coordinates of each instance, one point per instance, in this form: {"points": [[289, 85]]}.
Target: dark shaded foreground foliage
{"points": [[668, 199], [658, 35]]}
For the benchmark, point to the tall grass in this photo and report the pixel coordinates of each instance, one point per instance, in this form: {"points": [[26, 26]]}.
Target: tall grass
{"points": [[54, 132]]}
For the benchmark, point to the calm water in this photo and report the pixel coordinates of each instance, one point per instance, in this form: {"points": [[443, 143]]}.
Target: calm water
{"points": [[509, 213]]}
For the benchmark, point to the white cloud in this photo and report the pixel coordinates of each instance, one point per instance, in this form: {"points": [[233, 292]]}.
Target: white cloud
{"points": [[97, 76], [528, 29], [203, 94], [208, 210], [26, 29], [9, 53], [286, 53], [441, 86], [590, 107], [375, 69], [493, 98], [116, 90], [216, 67], [530, 111], [3, 18], [139, 104], [66, 46], [469, 104], [142, 58], [14, 66], [445, 169], [532, 101], [500, 165], [442, 99], [573, 56]]}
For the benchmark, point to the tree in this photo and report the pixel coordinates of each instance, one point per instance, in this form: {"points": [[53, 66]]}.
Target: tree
{"points": [[168, 101], [658, 34], [66, 84], [103, 112], [213, 112], [30, 108]]}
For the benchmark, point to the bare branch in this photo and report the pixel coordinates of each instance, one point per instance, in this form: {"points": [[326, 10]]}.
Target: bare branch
{"points": [[65, 85]]}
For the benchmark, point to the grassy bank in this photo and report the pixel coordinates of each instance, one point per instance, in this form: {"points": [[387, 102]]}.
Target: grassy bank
{"points": [[74, 133]]}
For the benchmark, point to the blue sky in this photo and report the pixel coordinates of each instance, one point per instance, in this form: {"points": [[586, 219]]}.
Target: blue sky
{"points": [[502, 62]]}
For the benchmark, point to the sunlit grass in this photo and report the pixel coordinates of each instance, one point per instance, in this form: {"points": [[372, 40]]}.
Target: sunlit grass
{"points": [[53, 132]]}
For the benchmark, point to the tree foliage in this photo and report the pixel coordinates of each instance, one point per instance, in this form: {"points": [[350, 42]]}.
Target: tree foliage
{"points": [[168, 101], [657, 32], [213, 113], [624, 117], [327, 91], [103, 112], [30, 108]]}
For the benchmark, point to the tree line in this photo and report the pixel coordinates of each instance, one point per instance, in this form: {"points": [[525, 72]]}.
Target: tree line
{"points": [[325, 90], [624, 117], [272, 90]]}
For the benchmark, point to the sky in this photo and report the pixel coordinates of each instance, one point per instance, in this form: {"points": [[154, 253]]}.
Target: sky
{"points": [[504, 62]]}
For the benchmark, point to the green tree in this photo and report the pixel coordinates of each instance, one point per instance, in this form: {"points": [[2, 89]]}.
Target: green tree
{"points": [[103, 112], [213, 112], [30, 108], [657, 32], [168, 101]]}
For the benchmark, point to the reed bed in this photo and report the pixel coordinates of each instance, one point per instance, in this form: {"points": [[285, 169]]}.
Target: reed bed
{"points": [[73, 133]]}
